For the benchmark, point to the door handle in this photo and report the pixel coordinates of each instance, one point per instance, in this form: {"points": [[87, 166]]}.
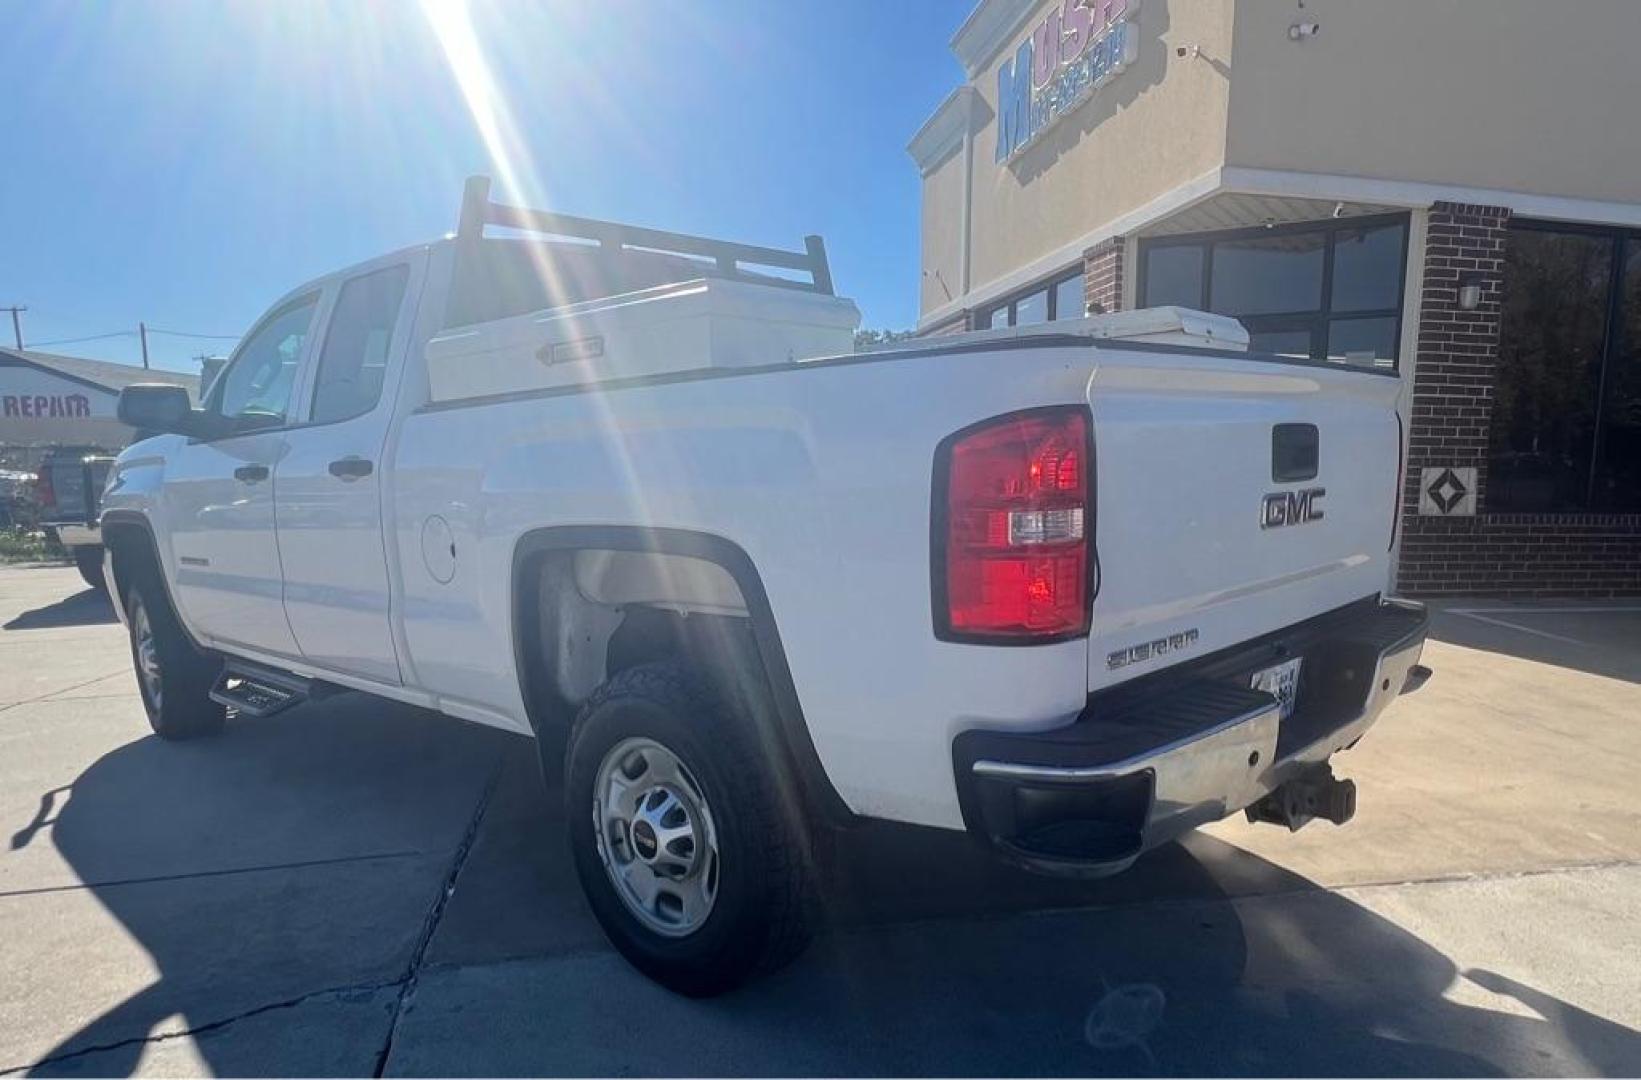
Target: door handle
{"points": [[251, 473], [350, 468]]}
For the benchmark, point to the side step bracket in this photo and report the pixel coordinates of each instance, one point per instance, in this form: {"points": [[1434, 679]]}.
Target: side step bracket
{"points": [[259, 691]]}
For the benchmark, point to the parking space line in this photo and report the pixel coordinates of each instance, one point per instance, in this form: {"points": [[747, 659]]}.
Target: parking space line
{"points": [[1545, 610], [1471, 614]]}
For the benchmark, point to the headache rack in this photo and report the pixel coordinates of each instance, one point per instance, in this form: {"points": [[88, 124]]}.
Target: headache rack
{"points": [[619, 247]]}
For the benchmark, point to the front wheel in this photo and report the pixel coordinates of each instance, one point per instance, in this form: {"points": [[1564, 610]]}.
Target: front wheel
{"points": [[691, 860], [173, 677]]}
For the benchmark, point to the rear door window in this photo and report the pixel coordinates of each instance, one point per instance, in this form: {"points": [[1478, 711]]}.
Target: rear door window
{"points": [[353, 363]]}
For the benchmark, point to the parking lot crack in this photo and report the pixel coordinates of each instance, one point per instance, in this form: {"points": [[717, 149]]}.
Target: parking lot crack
{"points": [[430, 925], [207, 1028]]}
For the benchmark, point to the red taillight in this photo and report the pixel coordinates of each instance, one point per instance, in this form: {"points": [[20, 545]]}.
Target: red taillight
{"points": [[44, 493], [1011, 540]]}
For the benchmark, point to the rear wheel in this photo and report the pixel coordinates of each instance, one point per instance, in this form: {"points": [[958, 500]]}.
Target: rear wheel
{"points": [[173, 677], [685, 851], [89, 561]]}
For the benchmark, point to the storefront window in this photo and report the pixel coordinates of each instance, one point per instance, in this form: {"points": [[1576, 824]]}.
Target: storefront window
{"points": [[1327, 292], [1363, 341], [1618, 473], [1367, 268], [1061, 298], [1268, 274], [1567, 391], [1174, 277], [1031, 308], [1068, 298]]}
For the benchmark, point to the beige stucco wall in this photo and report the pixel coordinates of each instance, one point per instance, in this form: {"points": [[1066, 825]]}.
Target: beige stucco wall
{"points": [[1154, 126], [1540, 96], [942, 232]]}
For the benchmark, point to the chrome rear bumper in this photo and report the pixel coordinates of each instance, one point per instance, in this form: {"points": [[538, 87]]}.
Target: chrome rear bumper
{"points": [[1141, 768]]}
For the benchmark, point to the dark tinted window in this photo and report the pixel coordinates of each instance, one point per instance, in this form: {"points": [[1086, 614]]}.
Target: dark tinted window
{"points": [[1551, 342], [353, 364], [1264, 275], [1367, 268], [1281, 342], [1173, 276], [1618, 472], [1363, 341], [1273, 281]]}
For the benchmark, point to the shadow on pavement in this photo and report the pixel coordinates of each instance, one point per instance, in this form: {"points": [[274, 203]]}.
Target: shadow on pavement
{"points": [[1598, 641], [294, 855], [86, 608], [1201, 960]]}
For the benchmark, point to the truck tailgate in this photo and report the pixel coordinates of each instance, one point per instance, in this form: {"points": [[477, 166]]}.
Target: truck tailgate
{"points": [[1210, 527]]}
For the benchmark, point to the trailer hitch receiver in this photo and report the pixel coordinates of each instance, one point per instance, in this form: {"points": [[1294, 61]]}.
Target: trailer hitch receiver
{"points": [[1313, 794]]}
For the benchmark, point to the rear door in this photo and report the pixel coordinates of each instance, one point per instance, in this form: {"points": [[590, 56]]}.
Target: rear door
{"points": [[1233, 498], [329, 482]]}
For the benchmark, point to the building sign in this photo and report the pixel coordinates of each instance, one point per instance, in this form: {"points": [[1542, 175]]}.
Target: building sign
{"points": [[1078, 48], [45, 406], [41, 408]]}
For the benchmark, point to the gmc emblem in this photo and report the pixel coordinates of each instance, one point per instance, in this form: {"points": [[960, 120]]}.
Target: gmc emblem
{"points": [[1281, 508]]}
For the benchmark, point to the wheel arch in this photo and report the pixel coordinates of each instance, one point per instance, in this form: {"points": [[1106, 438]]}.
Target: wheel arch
{"points": [[128, 536], [530, 557]]}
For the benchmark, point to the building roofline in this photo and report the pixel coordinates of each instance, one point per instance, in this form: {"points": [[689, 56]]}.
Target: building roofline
{"points": [[943, 131], [102, 375]]}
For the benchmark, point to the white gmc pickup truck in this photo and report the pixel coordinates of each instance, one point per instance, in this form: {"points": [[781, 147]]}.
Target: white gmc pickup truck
{"points": [[1074, 588]]}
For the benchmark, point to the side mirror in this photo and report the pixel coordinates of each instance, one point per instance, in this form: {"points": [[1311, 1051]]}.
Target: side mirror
{"points": [[155, 407]]}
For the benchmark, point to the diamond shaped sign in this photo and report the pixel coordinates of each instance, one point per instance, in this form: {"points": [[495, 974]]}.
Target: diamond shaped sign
{"points": [[1447, 491]]}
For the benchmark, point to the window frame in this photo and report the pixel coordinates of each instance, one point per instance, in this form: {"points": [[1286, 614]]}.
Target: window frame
{"points": [[1010, 302], [1315, 321], [1611, 343]]}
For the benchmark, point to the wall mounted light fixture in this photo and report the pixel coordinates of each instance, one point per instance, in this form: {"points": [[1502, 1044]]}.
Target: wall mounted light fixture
{"points": [[1469, 292]]}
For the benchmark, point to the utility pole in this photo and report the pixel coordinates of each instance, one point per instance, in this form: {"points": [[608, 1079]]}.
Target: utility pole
{"points": [[16, 323], [142, 332]]}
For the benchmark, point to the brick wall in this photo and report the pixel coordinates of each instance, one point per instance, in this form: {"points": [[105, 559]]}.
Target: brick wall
{"points": [[1586, 555], [1574, 555], [1103, 276]]}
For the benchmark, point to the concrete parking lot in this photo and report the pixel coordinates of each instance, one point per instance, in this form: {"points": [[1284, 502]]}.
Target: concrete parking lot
{"points": [[357, 887]]}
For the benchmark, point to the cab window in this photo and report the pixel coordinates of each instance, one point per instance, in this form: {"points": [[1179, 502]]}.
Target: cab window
{"points": [[353, 362], [257, 384]]}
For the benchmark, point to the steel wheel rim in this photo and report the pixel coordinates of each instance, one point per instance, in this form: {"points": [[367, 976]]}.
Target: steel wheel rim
{"points": [[148, 656], [656, 837]]}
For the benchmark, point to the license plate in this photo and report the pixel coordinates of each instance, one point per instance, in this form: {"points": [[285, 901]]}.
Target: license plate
{"points": [[1281, 682]]}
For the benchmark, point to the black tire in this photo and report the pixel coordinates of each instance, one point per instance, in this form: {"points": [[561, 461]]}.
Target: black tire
{"points": [[89, 561], [176, 697], [758, 919]]}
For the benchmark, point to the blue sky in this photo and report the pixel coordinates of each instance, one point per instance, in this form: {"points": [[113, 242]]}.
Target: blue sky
{"points": [[184, 162]]}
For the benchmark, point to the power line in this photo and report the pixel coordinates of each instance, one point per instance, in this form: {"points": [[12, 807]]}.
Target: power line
{"points": [[77, 340], [186, 334]]}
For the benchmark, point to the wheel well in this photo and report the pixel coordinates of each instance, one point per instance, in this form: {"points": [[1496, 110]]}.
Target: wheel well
{"points": [[591, 602], [132, 548], [589, 613]]}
